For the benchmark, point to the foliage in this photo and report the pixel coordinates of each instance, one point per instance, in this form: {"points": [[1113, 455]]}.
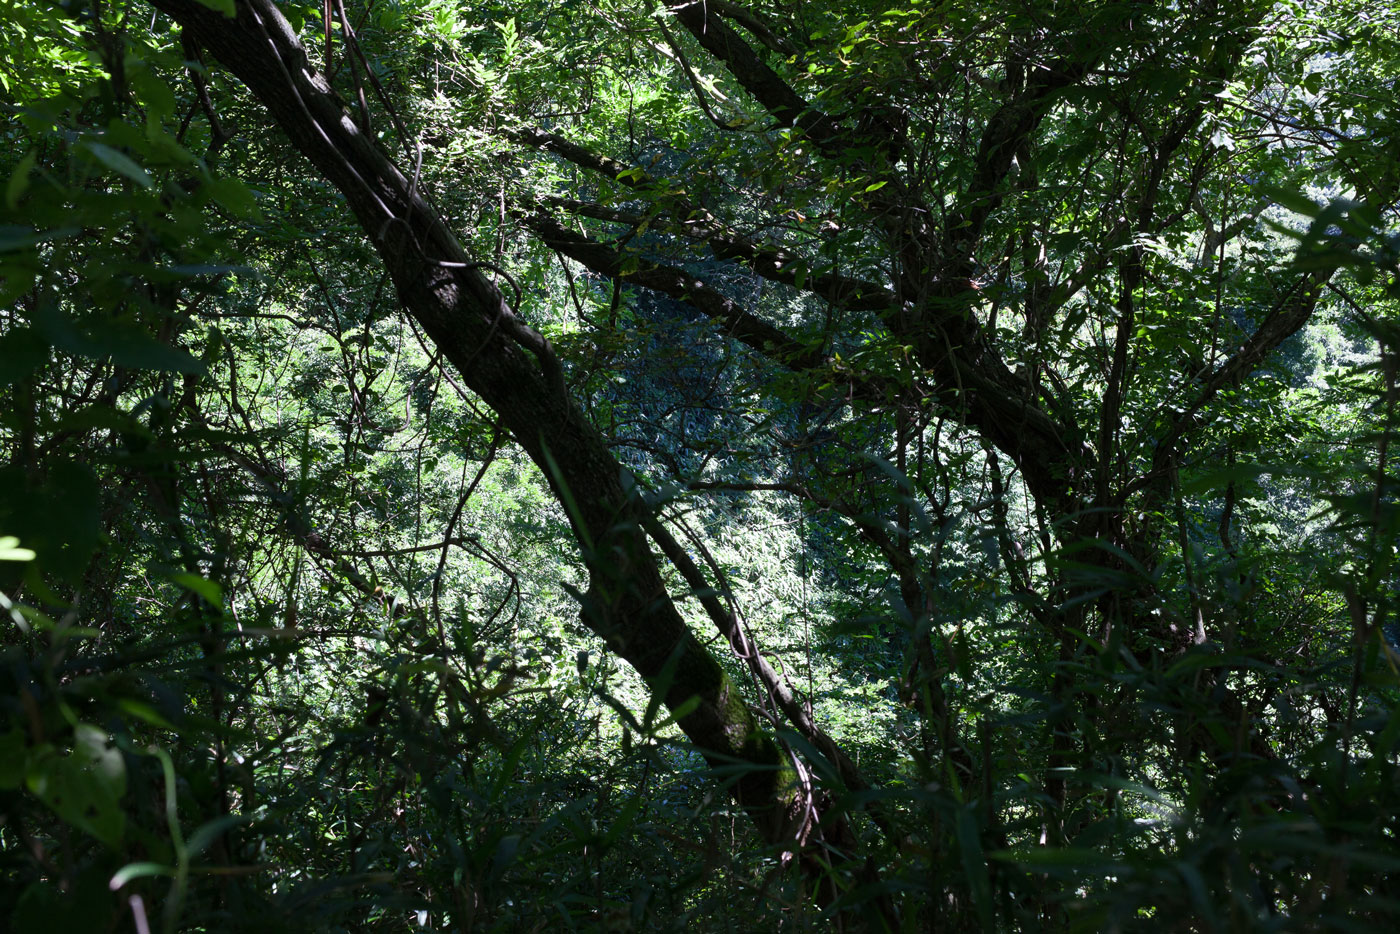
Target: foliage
{"points": [[1001, 396]]}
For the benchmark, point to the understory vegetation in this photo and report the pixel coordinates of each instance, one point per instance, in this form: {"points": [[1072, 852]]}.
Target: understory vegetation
{"points": [[699, 466]]}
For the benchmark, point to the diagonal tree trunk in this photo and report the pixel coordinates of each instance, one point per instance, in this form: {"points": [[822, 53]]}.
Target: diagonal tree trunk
{"points": [[514, 370]]}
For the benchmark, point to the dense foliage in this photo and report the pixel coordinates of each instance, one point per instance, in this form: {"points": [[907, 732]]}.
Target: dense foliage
{"points": [[698, 466]]}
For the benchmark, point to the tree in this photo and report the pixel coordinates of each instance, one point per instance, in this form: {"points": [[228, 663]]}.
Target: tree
{"points": [[1006, 302]]}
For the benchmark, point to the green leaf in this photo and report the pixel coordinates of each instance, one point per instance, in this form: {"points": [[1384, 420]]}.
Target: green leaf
{"points": [[85, 787], [506, 849], [1073, 860], [120, 163], [58, 518], [126, 343], [19, 179], [232, 195], [1221, 477], [225, 7], [1121, 784], [1293, 200], [975, 865], [12, 759], [1201, 659], [683, 709], [10, 550], [23, 351], [201, 587], [14, 238], [154, 93], [80, 906], [138, 871], [209, 832], [624, 820], [144, 712]]}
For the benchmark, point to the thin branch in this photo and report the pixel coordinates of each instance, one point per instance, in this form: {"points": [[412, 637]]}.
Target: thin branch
{"points": [[772, 263], [762, 83], [693, 79], [669, 280], [1292, 310], [777, 686]]}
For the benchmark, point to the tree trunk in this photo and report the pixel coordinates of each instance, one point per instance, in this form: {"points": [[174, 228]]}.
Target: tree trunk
{"points": [[513, 369]]}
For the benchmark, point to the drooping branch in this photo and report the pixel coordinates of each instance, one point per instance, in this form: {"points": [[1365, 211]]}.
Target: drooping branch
{"points": [[695, 222], [581, 156], [971, 378], [706, 22], [1006, 133], [969, 373], [738, 323]]}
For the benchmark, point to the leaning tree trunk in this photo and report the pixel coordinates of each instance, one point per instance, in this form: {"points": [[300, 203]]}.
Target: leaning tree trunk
{"points": [[514, 370]]}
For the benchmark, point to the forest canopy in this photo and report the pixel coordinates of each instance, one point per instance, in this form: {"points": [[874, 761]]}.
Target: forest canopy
{"points": [[699, 465]]}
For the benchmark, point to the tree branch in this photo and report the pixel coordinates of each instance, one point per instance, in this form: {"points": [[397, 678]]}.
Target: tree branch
{"points": [[763, 84], [469, 320], [755, 26], [772, 263], [668, 280], [775, 684], [1293, 310]]}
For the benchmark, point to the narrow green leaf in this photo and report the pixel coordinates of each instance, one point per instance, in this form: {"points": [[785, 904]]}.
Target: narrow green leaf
{"points": [[138, 871], [211, 592], [975, 866], [120, 163], [10, 550], [83, 788], [19, 179]]}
